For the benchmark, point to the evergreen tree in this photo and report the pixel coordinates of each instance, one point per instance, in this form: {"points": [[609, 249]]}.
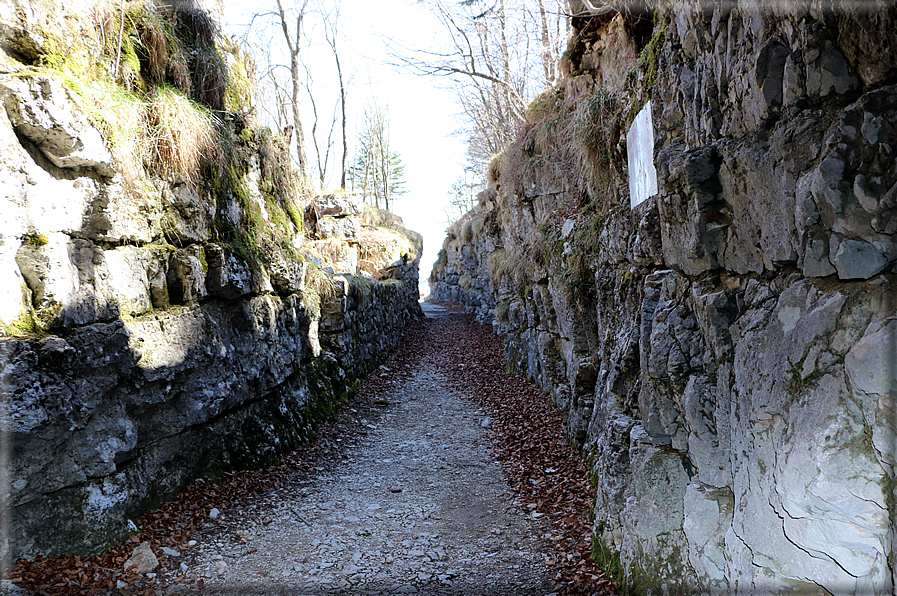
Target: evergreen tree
{"points": [[378, 172]]}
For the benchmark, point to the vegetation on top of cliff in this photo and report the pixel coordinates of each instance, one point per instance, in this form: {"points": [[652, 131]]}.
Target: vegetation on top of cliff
{"points": [[380, 227], [181, 135], [172, 99], [576, 139], [319, 287], [154, 82]]}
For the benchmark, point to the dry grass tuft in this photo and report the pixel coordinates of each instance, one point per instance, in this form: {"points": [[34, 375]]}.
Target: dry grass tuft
{"points": [[155, 48], [182, 137], [496, 165], [179, 73], [579, 135], [331, 250], [547, 104], [320, 282], [375, 244]]}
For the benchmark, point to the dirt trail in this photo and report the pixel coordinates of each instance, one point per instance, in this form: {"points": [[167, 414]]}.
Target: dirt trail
{"points": [[415, 505]]}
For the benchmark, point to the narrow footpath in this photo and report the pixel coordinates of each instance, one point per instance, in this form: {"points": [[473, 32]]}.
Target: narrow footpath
{"points": [[416, 505], [444, 475]]}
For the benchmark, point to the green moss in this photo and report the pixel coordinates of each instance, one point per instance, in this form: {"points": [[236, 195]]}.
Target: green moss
{"points": [[608, 560], [36, 239], [240, 83], [501, 311], [362, 286], [636, 580], [202, 259], [648, 57], [26, 325]]}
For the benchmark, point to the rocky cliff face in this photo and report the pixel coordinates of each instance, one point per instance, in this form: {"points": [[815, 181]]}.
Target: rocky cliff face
{"points": [[166, 316], [725, 352]]}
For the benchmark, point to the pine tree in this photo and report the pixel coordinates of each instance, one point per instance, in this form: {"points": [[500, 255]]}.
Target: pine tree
{"points": [[378, 172]]}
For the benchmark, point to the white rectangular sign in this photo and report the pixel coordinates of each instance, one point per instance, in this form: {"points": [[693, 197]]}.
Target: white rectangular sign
{"points": [[640, 150]]}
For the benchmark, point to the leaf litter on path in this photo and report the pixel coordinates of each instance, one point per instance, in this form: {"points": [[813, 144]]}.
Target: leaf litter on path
{"points": [[526, 433]]}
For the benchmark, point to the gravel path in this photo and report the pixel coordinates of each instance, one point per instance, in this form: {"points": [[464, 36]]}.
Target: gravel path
{"points": [[412, 504]]}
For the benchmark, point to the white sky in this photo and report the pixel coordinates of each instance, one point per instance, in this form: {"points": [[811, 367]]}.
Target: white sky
{"points": [[423, 116]]}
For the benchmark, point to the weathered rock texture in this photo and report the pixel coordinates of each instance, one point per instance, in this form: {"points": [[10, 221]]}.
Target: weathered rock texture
{"points": [[157, 330], [726, 351]]}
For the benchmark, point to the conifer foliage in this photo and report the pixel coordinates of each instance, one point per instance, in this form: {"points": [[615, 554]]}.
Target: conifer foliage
{"points": [[378, 172]]}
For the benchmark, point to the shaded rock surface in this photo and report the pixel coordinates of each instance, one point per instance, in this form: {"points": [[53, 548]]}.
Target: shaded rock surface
{"points": [[724, 352], [158, 330], [116, 416]]}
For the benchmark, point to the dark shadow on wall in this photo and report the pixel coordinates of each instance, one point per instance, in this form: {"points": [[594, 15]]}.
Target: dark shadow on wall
{"points": [[106, 421]]}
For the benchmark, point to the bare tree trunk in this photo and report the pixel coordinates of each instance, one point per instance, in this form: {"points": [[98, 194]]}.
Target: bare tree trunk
{"points": [[505, 62], [323, 161], [367, 179], [547, 61], [314, 131], [342, 100], [331, 32], [293, 46]]}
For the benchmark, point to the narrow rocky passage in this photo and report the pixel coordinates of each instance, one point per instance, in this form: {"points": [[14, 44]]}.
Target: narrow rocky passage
{"points": [[443, 475], [414, 505]]}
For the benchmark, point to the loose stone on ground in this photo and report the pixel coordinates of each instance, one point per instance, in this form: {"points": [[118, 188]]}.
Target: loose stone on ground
{"points": [[415, 506]]}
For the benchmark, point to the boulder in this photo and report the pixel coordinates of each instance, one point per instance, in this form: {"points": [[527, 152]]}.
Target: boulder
{"points": [[186, 216], [344, 228], [40, 110], [340, 204]]}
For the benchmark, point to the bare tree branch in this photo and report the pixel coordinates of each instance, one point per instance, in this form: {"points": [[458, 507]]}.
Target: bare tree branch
{"points": [[331, 23], [489, 56], [293, 46]]}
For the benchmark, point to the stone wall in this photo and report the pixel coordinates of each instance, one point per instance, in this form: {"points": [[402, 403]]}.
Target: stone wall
{"points": [[112, 417], [157, 326], [725, 353]]}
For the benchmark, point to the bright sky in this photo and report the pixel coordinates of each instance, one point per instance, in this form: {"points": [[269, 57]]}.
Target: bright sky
{"points": [[422, 116]]}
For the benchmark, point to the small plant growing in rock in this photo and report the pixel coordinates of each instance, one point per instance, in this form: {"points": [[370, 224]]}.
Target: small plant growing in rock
{"points": [[36, 239]]}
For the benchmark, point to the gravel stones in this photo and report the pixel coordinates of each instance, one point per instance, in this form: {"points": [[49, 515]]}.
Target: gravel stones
{"points": [[415, 506]]}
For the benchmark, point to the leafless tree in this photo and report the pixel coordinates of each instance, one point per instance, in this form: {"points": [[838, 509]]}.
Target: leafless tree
{"points": [[500, 55], [322, 155], [331, 33], [378, 171], [293, 40]]}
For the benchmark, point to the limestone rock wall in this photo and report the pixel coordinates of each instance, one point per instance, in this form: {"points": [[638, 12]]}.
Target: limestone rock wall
{"points": [[113, 417], [156, 329], [725, 353]]}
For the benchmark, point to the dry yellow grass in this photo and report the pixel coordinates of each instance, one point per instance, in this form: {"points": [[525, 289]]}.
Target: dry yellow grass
{"points": [[332, 250], [181, 137], [320, 283]]}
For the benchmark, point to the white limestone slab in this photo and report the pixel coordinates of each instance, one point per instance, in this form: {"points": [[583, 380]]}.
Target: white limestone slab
{"points": [[640, 150]]}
